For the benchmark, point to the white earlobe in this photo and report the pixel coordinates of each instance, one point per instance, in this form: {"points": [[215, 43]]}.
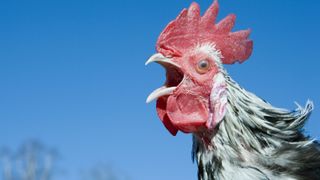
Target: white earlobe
{"points": [[218, 101]]}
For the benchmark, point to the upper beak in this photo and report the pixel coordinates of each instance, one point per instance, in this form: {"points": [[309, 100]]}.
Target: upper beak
{"points": [[164, 90], [159, 58]]}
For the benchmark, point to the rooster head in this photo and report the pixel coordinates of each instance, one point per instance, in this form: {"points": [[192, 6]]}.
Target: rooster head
{"points": [[192, 49]]}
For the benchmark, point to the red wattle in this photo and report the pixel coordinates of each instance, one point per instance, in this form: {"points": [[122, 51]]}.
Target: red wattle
{"points": [[162, 113], [187, 112]]}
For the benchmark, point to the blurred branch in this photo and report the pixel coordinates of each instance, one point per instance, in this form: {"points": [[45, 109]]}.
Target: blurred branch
{"points": [[103, 172], [7, 165], [32, 161], [35, 161]]}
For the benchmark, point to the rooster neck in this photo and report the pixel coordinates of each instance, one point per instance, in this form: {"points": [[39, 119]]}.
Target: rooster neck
{"points": [[257, 141], [287, 162], [223, 162]]}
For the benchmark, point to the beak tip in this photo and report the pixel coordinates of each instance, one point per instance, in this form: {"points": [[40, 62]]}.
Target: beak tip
{"points": [[148, 101], [148, 61], [154, 58]]}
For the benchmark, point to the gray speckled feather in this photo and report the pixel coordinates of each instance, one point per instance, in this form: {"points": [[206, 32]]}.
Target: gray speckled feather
{"points": [[257, 141]]}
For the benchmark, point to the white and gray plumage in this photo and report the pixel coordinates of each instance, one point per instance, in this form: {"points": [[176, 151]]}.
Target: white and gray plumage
{"points": [[258, 141], [236, 135]]}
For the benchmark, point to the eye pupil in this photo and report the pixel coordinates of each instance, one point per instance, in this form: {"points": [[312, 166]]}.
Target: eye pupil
{"points": [[203, 66]]}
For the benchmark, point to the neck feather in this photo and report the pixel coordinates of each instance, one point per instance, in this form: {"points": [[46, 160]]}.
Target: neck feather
{"points": [[255, 140]]}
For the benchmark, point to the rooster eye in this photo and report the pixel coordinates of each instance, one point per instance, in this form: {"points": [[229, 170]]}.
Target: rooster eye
{"points": [[203, 66]]}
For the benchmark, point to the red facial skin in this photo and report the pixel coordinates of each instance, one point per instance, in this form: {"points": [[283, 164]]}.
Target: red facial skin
{"points": [[188, 108]]}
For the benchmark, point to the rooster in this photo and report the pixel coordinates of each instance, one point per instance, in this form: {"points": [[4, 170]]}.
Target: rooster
{"points": [[236, 135]]}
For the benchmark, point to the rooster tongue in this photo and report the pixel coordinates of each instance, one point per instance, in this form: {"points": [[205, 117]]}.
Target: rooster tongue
{"points": [[162, 113]]}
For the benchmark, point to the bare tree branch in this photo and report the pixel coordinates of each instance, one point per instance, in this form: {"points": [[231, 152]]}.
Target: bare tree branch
{"points": [[32, 161], [5, 156], [104, 172]]}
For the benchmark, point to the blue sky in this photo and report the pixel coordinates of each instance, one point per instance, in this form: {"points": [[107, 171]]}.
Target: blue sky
{"points": [[72, 75]]}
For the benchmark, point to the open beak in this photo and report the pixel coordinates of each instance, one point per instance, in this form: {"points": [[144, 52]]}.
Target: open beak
{"points": [[174, 76]]}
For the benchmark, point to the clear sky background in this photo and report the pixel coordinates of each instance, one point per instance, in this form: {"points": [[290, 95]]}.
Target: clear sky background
{"points": [[72, 75]]}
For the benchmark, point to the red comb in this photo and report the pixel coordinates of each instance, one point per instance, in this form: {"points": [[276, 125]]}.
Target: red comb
{"points": [[190, 29]]}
